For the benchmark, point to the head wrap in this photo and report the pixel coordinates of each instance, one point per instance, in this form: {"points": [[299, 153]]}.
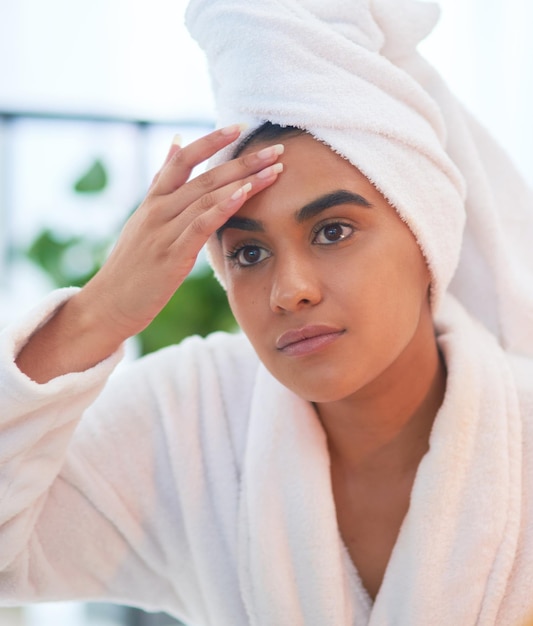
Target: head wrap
{"points": [[348, 72]]}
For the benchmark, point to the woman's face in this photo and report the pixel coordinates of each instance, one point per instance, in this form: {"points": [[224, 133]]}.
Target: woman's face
{"points": [[323, 276]]}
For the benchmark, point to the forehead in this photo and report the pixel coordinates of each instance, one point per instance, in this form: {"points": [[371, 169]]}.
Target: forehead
{"points": [[303, 148], [311, 168]]}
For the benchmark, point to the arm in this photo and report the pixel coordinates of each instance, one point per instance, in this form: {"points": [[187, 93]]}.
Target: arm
{"points": [[154, 254], [66, 528], [128, 516], [77, 500]]}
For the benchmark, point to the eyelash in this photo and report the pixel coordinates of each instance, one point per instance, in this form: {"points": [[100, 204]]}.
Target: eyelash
{"points": [[233, 254], [322, 226]]}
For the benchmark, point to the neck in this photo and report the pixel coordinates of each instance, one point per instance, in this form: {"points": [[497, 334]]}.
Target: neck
{"points": [[384, 429]]}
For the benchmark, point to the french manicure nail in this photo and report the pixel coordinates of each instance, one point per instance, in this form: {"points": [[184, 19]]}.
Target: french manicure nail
{"points": [[234, 128], [176, 140], [271, 151], [277, 168], [241, 191]]}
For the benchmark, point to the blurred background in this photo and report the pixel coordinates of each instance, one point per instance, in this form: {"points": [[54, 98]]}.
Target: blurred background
{"points": [[91, 94]]}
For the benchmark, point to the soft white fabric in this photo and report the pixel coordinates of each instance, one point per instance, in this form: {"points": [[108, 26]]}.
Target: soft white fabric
{"points": [[348, 71], [199, 485]]}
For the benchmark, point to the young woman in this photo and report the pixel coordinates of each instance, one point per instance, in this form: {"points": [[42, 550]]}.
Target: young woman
{"points": [[360, 453]]}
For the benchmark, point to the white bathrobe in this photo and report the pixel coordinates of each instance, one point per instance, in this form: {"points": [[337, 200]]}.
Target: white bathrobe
{"points": [[198, 485]]}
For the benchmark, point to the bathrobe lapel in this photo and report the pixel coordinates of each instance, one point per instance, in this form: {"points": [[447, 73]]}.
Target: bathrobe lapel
{"points": [[454, 556], [292, 566]]}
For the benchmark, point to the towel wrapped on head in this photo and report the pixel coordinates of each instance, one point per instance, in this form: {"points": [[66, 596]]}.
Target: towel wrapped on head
{"points": [[349, 73]]}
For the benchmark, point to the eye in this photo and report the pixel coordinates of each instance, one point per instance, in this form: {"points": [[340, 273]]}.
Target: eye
{"points": [[248, 255], [332, 233]]}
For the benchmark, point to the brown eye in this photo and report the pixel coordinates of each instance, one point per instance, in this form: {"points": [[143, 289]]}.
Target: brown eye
{"points": [[332, 233], [250, 255]]}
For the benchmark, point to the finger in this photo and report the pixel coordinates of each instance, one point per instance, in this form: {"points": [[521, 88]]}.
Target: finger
{"points": [[177, 170], [195, 236], [174, 147], [203, 220], [221, 176]]}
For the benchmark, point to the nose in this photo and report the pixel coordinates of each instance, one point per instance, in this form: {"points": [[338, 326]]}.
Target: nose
{"points": [[295, 286]]}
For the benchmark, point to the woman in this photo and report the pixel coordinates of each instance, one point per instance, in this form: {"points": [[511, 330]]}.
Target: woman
{"points": [[361, 454]]}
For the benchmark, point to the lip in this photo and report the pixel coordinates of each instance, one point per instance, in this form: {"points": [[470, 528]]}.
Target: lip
{"points": [[307, 339]]}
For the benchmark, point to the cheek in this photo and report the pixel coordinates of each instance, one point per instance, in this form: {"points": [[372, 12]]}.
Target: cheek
{"points": [[389, 294], [247, 302], [406, 308]]}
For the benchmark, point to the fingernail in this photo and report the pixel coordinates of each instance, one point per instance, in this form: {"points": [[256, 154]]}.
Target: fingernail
{"points": [[270, 171], [234, 128], [241, 191], [271, 151], [176, 140]]}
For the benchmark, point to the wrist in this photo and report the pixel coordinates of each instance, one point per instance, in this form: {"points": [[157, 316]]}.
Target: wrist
{"points": [[74, 339], [86, 319]]}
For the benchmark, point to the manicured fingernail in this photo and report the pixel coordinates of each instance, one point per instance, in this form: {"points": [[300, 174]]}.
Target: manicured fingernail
{"points": [[176, 140], [234, 128], [271, 151], [270, 171], [241, 191]]}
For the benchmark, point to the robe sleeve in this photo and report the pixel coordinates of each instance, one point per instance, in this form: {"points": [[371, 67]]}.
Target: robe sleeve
{"points": [[123, 486], [77, 475]]}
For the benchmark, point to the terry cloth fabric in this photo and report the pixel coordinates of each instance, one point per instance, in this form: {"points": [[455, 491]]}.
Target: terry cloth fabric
{"points": [[199, 485], [348, 71]]}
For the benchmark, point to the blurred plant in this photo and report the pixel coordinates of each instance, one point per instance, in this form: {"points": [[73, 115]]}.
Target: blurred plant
{"points": [[94, 179], [68, 262], [198, 307]]}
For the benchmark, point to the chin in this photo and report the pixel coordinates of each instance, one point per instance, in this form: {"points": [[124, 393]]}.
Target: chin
{"points": [[317, 383], [319, 392]]}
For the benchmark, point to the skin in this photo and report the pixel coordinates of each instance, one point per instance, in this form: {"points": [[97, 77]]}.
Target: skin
{"points": [[378, 385]]}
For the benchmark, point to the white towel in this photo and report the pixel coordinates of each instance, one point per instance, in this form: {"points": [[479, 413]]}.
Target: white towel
{"points": [[348, 71]]}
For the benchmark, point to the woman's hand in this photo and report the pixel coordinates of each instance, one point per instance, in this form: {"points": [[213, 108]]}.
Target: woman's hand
{"points": [[159, 244], [154, 254]]}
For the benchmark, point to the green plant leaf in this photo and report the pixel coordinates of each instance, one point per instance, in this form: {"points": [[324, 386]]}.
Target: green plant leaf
{"points": [[46, 251], [93, 180], [58, 258]]}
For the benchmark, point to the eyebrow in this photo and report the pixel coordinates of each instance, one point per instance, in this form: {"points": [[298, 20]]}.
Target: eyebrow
{"points": [[309, 210], [328, 200], [241, 223]]}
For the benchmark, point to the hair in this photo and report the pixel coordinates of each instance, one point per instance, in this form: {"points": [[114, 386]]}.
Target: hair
{"points": [[267, 132]]}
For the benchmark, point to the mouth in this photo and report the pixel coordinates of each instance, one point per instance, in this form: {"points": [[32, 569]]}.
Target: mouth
{"points": [[308, 339]]}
